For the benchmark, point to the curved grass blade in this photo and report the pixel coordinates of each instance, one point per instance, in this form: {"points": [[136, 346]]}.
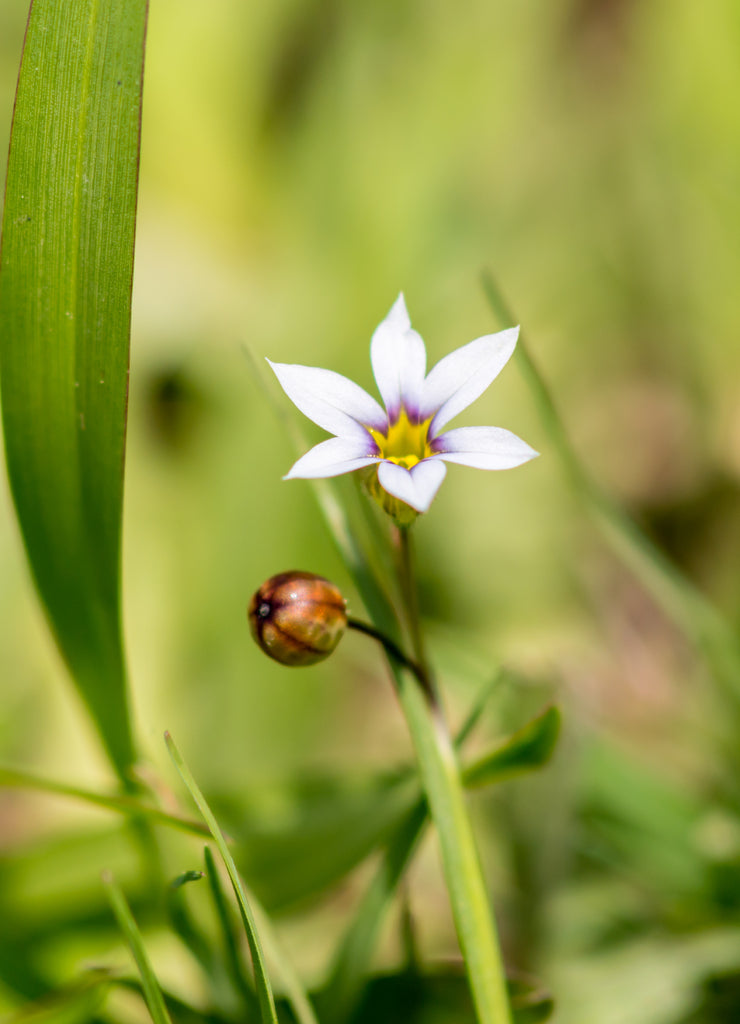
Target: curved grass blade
{"points": [[349, 972], [152, 991], [65, 299], [121, 804], [262, 981], [689, 608], [527, 749], [182, 923], [295, 995], [233, 963], [477, 708]]}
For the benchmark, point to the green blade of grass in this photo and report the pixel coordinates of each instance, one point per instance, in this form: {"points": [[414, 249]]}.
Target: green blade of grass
{"points": [[262, 981], [181, 920], [127, 924], [233, 962], [354, 955], [65, 299], [680, 599], [121, 804], [294, 992], [477, 708], [526, 750]]}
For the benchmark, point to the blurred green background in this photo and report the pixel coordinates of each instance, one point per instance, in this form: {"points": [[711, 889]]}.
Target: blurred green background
{"points": [[302, 162]]}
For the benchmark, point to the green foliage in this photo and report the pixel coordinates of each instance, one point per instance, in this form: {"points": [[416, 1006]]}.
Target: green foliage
{"points": [[65, 299], [304, 162], [529, 748], [264, 988], [78, 1003]]}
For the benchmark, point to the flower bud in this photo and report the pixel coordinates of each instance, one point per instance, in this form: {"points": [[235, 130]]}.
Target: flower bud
{"points": [[297, 618]]}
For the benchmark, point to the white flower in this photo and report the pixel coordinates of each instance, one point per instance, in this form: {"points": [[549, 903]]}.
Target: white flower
{"points": [[405, 440]]}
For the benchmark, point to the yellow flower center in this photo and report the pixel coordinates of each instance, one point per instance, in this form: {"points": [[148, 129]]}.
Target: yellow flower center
{"points": [[405, 443]]}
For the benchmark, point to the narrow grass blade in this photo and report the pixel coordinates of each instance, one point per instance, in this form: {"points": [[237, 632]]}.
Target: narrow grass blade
{"points": [[65, 298], [262, 981], [529, 748], [526, 750], [152, 991], [295, 994], [130, 806], [677, 595], [233, 962], [352, 963], [477, 708], [182, 923]]}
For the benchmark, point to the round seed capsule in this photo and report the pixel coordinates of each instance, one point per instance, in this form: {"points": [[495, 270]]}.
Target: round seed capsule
{"points": [[297, 618]]}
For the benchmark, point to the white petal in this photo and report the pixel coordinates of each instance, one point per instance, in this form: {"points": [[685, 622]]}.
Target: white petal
{"points": [[417, 486], [399, 360], [483, 448], [329, 399], [333, 457], [463, 375]]}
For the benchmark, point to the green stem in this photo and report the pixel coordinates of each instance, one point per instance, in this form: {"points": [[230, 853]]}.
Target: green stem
{"points": [[440, 776], [410, 598]]}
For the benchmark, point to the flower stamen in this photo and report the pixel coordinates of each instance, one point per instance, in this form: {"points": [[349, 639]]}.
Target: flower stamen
{"points": [[404, 442]]}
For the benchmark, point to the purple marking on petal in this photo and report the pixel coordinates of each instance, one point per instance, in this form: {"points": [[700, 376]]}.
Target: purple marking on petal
{"points": [[482, 448]]}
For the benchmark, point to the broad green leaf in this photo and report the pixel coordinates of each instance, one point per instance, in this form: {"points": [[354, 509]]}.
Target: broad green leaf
{"points": [[529, 748], [65, 298], [152, 991]]}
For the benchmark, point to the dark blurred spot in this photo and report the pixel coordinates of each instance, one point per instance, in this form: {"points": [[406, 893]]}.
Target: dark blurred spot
{"points": [[720, 1001], [690, 528], [175, 407], [599, 32], [299, 58]]}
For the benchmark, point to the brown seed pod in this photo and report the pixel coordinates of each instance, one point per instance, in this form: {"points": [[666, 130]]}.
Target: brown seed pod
{"points": [[297, 618]]}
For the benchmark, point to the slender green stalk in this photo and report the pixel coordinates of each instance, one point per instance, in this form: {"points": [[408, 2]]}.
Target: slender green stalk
{"points": [[442, 782], [232, 956], [262, 981], [673, 591], [471, 908], [437, 764], [152, 991], [411, 602], [121, 804]]}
